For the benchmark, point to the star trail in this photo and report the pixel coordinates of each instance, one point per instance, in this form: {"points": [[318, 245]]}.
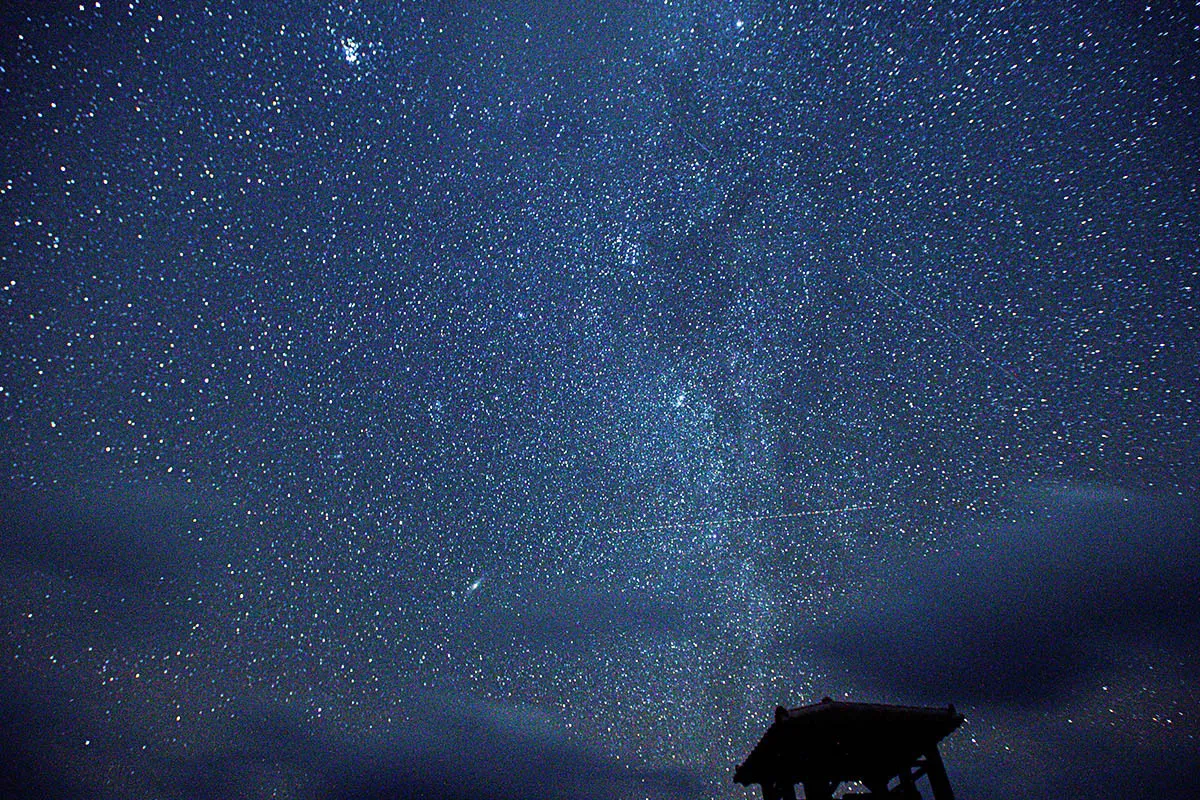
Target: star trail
{"points": [[522, 399]]}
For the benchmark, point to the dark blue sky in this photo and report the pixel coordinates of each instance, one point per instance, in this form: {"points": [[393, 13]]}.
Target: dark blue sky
{"points": [[521, 399]]}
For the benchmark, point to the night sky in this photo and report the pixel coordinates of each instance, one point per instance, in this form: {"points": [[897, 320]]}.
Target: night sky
{"points": [[520, 399]]}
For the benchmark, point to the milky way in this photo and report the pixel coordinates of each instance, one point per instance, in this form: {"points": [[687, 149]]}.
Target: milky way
{"points": [[508, 400]]}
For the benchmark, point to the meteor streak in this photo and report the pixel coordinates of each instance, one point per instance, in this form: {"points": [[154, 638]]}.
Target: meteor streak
{"points": [[824, 512]]}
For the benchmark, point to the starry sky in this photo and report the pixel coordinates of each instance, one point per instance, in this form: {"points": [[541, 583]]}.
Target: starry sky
{"points": [[520, 399]]}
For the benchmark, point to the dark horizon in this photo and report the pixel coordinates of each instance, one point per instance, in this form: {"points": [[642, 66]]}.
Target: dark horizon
{"points": [[522, 399]]}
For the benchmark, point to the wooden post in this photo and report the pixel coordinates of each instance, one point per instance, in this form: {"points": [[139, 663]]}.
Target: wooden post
{"points": [[818, 789], [936, 770], [908, 785], [779, 791]]}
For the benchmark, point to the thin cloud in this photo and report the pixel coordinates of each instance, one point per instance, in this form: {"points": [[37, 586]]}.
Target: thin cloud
{"points": [[1023, 612]]}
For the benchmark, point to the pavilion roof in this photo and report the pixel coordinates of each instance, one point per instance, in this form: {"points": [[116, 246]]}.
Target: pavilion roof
{"points": [[841, 741]]}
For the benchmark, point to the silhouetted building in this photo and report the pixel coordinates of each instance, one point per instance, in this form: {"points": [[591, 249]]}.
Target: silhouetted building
{"points": [[823, 745]]}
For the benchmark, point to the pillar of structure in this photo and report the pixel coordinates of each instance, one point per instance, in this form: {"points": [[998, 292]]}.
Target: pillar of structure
{"points": [[936, 770]]}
